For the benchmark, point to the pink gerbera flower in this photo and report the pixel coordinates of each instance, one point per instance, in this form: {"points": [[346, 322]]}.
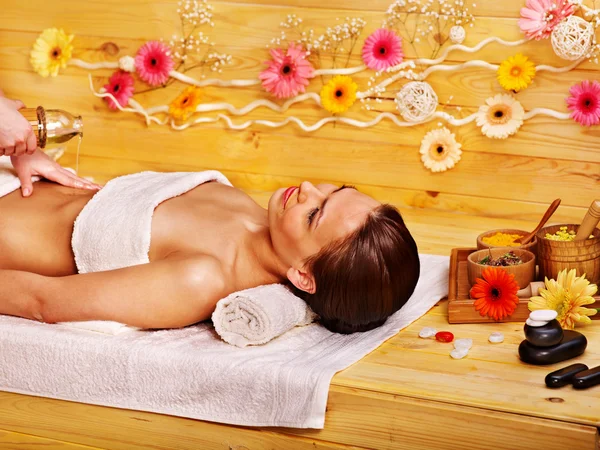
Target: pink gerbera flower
{"points": [[539, 17], [153, 63], [120, 85], [585, 103], [288, 73], [382, 49]]}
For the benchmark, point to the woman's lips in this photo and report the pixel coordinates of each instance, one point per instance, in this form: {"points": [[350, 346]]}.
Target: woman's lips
{"points": [[287, 194]]}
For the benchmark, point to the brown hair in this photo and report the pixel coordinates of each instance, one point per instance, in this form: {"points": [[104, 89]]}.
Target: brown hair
{"points": [[366, 277]]}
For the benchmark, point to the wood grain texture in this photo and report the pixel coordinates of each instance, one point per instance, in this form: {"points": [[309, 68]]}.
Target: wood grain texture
{"points": [[245, 32], [391, 422], [526, 178], [11, 441], [569, 141], [120, 429], [508, 8], [490, 375], [356, 419]]}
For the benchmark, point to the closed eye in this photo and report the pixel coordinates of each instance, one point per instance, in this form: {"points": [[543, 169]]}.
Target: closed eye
{"points": [[311, 215], [322, 209]]}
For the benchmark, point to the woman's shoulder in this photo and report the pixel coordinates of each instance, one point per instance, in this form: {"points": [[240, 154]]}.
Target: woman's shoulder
{"points": [[200, 270]]}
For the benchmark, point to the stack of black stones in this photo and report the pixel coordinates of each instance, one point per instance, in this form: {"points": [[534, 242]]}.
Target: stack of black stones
{"points": [[546, 342]]}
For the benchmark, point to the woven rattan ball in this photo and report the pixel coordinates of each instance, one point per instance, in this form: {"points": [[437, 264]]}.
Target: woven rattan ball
{"points": [[457, 34], [572, 38], [416, 101]]}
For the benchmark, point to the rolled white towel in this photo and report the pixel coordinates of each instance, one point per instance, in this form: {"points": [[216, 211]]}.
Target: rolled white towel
{"points": [[257, 315]]}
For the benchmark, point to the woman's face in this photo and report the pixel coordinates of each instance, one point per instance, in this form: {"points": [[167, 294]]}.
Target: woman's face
{"points": [[305, 219]]}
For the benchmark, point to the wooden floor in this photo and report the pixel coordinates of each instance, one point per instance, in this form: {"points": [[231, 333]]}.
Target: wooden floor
{"points": [[408, 394]]}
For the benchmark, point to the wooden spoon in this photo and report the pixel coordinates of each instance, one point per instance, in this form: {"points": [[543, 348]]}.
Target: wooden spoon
{"points": [[525, 239]]}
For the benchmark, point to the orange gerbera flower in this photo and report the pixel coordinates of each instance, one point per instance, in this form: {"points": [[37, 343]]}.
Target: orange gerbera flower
{"points": [[496, 295]]}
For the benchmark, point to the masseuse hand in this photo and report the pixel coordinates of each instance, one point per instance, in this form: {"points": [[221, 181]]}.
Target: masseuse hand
{"points": [[16, 135], [40, 164]]}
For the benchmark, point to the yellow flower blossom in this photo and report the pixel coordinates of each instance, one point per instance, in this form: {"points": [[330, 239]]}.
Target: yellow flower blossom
{"points": [[516, 73], [51, 51], [567, 295], [338, 94], [185, 104]]}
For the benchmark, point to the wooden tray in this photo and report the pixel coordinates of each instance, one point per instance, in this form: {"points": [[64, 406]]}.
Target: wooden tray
{"points": [[461, 307]]}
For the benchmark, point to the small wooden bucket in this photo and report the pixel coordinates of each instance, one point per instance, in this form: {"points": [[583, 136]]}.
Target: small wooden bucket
{"points": [[554, 256]]}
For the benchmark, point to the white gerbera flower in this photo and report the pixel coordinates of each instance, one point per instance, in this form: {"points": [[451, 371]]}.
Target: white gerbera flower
{"points": [[500, 117], [439, 150]]}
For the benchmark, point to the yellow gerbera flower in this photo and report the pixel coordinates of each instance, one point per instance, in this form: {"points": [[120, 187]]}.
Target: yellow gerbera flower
{"points": [[567, 295], [51, 51], [338, 94], [516, 73], [185, 105]]}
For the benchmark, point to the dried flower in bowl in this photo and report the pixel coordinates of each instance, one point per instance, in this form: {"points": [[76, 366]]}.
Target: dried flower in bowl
{"points": [[508, 259]]}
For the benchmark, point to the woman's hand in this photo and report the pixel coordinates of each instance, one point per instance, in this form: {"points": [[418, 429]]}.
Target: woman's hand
{"points": [[40, 164], [16, 135]]}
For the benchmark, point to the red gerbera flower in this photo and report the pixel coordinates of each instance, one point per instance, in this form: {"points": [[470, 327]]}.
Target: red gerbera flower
{"points": [[120, 85], [585, 102], [382, 49], [496, 295], [153, 63], [288, 72]]}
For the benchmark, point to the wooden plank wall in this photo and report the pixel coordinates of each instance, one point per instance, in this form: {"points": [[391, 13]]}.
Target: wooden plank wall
{"points": [[512, 180]]}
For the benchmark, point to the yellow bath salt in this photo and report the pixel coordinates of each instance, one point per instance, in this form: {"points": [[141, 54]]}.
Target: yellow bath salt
{"points": [[502, 240], [563, 235]]}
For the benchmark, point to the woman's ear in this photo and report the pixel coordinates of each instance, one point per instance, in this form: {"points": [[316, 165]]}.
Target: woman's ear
{"points": [[302, 280]]}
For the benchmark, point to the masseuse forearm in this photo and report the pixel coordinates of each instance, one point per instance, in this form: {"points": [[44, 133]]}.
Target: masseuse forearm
{"points": [[18, 294]]}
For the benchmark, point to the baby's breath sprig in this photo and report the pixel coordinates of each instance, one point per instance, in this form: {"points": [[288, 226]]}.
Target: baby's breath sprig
{"points": [[376, 92], [428, 20], [191, 43], [186, 47], [335, 43], [592, 15]]}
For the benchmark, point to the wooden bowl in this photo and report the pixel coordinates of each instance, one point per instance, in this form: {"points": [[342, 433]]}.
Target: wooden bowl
{"points": [[583, 256], [531, 246], [524, 273]]}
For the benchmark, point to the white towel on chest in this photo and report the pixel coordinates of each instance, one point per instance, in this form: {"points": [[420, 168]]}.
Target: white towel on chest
{"points": [[114, 229], [255, 316]]}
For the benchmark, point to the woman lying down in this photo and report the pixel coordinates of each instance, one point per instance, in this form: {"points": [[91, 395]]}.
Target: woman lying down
{"points": [[158, 250]]}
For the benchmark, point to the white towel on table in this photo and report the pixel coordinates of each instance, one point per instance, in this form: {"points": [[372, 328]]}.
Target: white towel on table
{"points": [[191, 372], [255, 316], [9, 181], [100, 326]]}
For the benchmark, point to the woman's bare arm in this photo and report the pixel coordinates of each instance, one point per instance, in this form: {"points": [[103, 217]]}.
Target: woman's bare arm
{"points": [[162, 294]]}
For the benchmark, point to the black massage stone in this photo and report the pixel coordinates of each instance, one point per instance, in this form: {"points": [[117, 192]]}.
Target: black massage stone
{"points": [[544, 336], [587, 378], [564, 376], [573, 344]]}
